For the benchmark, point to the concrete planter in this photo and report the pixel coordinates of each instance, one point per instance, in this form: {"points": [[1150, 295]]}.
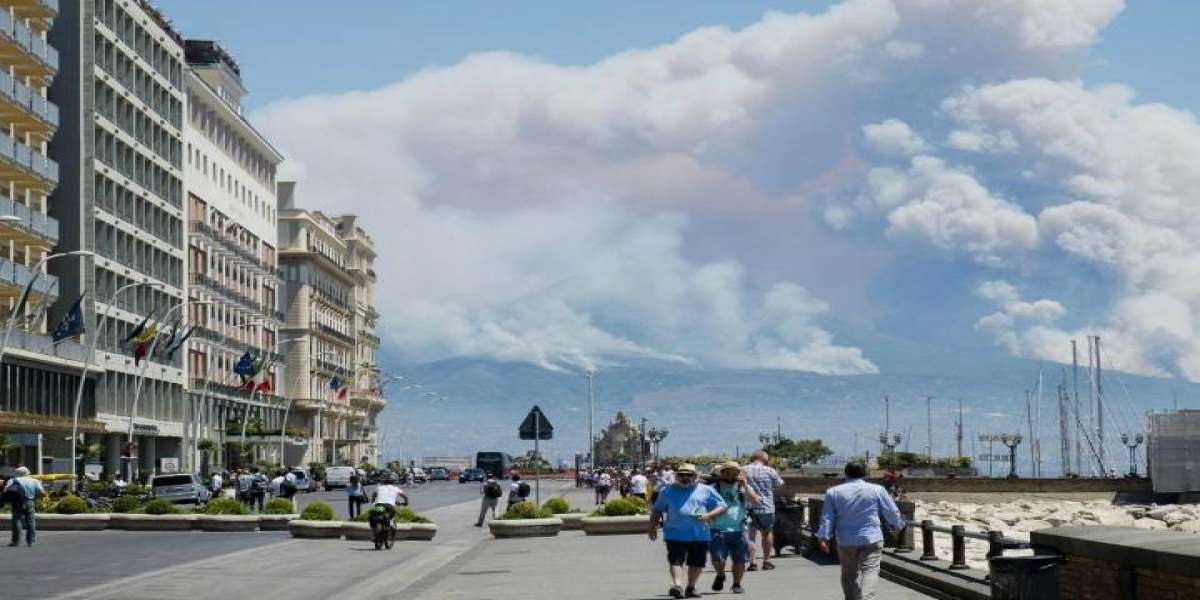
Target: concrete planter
{"points": [[321, 530], [637, 524], [357, 531], [137, 522], [521, 528], [275, 522], [572, 521], [80, 522], [422, 532], [228, 523]]}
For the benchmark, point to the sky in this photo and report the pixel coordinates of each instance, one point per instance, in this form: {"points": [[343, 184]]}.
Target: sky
{"points": [[737, 184]]}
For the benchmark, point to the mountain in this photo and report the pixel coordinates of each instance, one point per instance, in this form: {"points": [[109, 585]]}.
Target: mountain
{"points": [[719, 410]]}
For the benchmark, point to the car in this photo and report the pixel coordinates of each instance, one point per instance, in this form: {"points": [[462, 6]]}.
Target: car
{"points": [[418, 475], [338, 476], [472, 475], [439, 474], [180, 488], [304, 480]]}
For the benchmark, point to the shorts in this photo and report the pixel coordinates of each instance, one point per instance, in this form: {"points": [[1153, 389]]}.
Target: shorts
{"points": [[693, 554], [762, 521], [730, 545]]}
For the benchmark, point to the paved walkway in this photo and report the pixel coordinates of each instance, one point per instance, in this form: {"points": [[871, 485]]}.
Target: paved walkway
{"points": [[624, 567]]}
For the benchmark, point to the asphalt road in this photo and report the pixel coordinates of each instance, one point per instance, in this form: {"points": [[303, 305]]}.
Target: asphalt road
{"points": [[66, 562]]}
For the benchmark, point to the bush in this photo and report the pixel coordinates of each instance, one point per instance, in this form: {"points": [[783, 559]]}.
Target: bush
{"points": [[362, 517], [134, 489], [557, 505], [621, 507], [160, 506], [408, 515], [126, 504], [225, 506], [526, 510], [71, 505], [317, 511], [44, 504], [279, 506]]}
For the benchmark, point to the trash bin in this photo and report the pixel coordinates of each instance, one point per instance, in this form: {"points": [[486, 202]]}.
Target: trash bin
{"points": [[789, 523], [1025, 577]]}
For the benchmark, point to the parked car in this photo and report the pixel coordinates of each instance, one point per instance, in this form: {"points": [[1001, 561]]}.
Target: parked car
{"points": [[180, 488], [472, 475], [336, 477], [304, 480], [439, 474], [417, 474]]}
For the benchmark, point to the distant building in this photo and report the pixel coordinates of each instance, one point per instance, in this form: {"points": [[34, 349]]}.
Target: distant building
{"points": [[619, 443], [1174, 451]]}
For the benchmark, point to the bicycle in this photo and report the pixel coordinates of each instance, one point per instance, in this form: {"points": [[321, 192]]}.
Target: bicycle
{"points": [[383, 529]]}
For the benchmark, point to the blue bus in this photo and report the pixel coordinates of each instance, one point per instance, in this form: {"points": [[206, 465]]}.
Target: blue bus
{"points": [[495, 464]]}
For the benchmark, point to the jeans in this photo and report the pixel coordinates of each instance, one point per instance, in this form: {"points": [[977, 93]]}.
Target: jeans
{"points": [[24, 516], [354, 505], [860, 570], [486, 504], [257, 499]]}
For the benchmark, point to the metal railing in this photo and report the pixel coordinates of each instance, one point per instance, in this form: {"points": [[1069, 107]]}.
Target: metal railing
{"points": [[42, 225], [997, 543]]}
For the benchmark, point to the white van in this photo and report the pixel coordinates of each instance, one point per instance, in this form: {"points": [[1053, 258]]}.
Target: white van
{"points": [[336, 477]]}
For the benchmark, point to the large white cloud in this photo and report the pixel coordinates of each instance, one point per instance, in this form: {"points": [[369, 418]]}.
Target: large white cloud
{"points": [[527, 210]]}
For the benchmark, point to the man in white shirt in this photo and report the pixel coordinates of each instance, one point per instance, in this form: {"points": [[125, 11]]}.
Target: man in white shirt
{"points": [[387, 494], [637, 485], [217, 482]]}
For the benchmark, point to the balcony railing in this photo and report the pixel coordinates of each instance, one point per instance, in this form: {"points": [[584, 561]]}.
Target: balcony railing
{"points": [[42, 225], [19, 275], [327, 330], [231, 245]]}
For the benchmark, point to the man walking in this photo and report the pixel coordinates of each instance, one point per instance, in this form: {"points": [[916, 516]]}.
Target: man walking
{"points": [[518, 490], [764, 479], [689, 508], [852, 515], [19, 493], [729, 543], [490, 494], [638, 484]]}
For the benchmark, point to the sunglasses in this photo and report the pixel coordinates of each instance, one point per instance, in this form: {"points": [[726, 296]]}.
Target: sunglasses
{"points": [[684, 475]]}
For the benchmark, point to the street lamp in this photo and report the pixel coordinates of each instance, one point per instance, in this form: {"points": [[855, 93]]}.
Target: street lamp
{"points": [[87, 357], [656, 437], [1132, 444], [37, 272], [286, 410], [1012, 441]]}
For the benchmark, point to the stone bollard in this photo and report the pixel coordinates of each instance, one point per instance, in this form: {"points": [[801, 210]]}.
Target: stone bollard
{"points": [[959, 558], [928, 550], [905, 543]]}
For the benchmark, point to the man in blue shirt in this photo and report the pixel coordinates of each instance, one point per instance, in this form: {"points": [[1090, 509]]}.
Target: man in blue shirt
{"points": [[689, 507], [853, 515], [729, 542], [20, 492]]}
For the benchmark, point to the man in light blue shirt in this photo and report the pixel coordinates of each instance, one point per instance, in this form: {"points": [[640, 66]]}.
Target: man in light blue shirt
{"points": [[852, 515], [689, 507], [20, 492]]}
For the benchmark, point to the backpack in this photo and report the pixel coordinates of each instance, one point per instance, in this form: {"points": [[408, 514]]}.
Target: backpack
{"points": [[492, 490], [256, 485], [287, 488], [523, 489], [14, 494]]}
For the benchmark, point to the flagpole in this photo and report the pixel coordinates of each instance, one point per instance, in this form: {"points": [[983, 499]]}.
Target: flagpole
{"points": [[91, 351], [286, 410], [207, 380], [250, 400], [137, 389]]}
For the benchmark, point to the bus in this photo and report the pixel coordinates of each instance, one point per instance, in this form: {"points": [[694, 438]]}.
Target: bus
{"points": [[495, 464]]}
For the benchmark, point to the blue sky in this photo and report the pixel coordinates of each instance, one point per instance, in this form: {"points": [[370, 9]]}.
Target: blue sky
{"points": [[291, 48]]}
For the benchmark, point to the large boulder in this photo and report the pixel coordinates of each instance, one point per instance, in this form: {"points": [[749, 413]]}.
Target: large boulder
{"points": [[1032, 525], [1188, 527], [1151, 524]]}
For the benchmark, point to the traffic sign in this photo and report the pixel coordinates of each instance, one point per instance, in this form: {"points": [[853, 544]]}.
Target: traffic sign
{"points": [[536, 426], [992, 458]]}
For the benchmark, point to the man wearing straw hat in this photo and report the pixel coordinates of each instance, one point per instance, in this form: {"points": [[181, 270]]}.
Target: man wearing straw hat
{"points": [[729, 542], [19, 493]]}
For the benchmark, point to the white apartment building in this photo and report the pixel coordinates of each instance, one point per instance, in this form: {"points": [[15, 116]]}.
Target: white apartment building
{"points": [[120, 147], [232, 240]]}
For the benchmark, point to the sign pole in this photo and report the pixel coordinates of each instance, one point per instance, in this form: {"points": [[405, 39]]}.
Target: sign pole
{"points": [[537, 462]]}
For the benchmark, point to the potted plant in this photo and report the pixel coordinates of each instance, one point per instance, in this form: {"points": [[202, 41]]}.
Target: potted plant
{"points": [[227, 514], [559, 507], [620, 516], [420, 528], [277, 513], [157, 515], [316, 522], [525, 519]]}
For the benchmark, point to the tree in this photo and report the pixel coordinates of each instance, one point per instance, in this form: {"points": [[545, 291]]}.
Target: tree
{"points": [[530, 462], [799, 452], [206, 447]]}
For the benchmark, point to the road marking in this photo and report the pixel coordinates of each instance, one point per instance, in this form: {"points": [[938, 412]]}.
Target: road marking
{"points": [[125, 584]]}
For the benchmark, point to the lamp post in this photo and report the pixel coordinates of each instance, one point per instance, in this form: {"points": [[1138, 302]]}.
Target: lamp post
{"points": [[1012, 441], [99, 330], [1132, 443], [591, 375], [890, 445], [656, 437], [137, 389], [37, 272], [287, 409]]}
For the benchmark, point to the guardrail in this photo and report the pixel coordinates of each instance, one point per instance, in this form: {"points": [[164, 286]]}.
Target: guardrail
{"points": [[997, 543]]}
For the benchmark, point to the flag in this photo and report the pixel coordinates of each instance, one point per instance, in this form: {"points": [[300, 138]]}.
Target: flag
{"points": [[72, 323], [172, 349], [142, 342], [164, 346], [339, 385], [137, 331], [254, 377]]}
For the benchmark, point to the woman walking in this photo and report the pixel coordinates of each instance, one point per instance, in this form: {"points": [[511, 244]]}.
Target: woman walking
{"points": [[355, 495]]}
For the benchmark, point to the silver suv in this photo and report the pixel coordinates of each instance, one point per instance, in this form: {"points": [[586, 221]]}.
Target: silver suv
{"points": [[180, 488]]}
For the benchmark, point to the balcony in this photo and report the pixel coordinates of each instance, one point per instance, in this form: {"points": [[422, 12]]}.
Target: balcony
{"points": [[14, 277], [329, 331], [232, 246], [45, 10], [29, 54], [40, 228], [17, 164]]}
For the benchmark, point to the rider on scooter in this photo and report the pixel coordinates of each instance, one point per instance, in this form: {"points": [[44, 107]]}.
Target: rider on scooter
{"points": [[387, 494]]}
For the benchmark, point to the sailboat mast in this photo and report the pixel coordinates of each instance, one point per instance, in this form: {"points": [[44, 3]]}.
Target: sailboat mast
{"points": [[1075, 405], [929, 424], [1099, 410], [1064, 430], [1032, 442]]}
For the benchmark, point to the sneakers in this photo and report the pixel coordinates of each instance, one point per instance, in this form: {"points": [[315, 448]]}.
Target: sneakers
{"points": [[718, 582], [752, 567], [768, 565], [737, 589], [691, 593], [675, 592]]}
